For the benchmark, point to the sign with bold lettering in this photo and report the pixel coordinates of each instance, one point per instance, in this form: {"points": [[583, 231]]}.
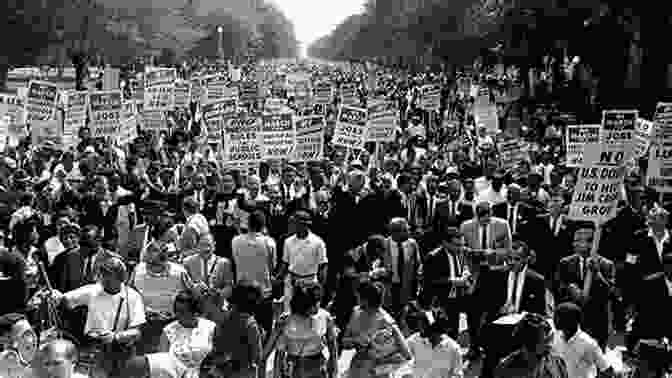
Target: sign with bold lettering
{"points": [[160, 89], [214, 113], [242, 140], [309, 138], [618, 129], [105, 113], [41, 101], [382, 123], [598, 186], [278, 136], [351, 128], [578, 136], [13, 108]]}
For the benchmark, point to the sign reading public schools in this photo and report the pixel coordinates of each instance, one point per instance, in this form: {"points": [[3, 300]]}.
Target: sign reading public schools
{"points": [[106, 107], [41, 101], [242, 140], [309, 138], [578, 137], [598, 186], [278, 135], [350, 127]]}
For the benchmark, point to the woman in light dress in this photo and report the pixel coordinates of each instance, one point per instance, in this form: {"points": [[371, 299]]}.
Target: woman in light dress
{"points": [[304, 339], [381, 350], [185, 342]]}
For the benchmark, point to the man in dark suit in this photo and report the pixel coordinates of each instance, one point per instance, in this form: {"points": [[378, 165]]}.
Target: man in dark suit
{"points": [[467, 207], [446, 277], [447, 210], [513, 290], [512, 210], [588, 280], [548, 235], [655, 308]]}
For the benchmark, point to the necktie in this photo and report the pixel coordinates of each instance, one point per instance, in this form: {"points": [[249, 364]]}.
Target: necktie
{"points": [[582, 268], [510, 216], [554, 225], [514, 292], [451, 208], [430, 210], [131, 219], [484, 236], [205, 271], [400, 261], [87, 269]]}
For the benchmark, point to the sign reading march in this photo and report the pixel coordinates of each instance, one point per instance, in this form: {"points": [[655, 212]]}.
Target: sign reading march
{"points": [[309, 138], [41, 101], [598, 185], [106, 109], [278, 136], [350, 128], [578, 137], [242, 141]]}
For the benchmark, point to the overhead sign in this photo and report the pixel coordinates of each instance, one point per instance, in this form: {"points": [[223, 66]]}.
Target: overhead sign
{"points": [[309, 138], [41, 101], [351, 128], [278, 136], [577, 138], [105, 109]]}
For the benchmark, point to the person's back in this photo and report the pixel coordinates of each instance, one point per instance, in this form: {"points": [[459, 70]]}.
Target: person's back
{"points": [[254, 258], [232, 346]]}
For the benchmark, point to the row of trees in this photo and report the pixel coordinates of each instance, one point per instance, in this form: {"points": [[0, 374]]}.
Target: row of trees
{"points": [[81, 32], [618, 42]]}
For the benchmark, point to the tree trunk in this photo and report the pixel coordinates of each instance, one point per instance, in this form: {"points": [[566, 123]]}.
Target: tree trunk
{"points": [[4, 69]]}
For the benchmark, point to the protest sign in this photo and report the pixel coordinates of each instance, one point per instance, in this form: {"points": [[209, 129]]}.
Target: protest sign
{"points": [[577, 137], [40, 101], [349, 94], [431, 97], [13, 108], [659, 170], [249, 92], [322, 93], [138, 90], [512, 152], [598, 186], [485, 115], [75, 103], [218, 89], [643, 133], [275, 105], [128, 129], [153, 120], [382, 123], [278, 136], [309, 138], [160, 89], [43, 131], [111, 79], [350, 128], [182, 95], [105, 107], [663, 120], [242, 140], [197, 89], [618, 130], [214, 113]]}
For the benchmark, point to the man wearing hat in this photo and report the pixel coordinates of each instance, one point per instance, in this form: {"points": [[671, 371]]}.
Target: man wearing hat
{"points": [[446, 276]]}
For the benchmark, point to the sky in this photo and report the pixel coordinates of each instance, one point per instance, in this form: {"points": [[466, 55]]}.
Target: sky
{"points": [[315, 18]]}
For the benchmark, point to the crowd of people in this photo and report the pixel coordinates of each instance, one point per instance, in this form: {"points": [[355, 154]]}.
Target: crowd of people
{"points": [[423, 255]]}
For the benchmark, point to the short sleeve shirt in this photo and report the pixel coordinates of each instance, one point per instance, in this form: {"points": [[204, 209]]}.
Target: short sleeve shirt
{"points": [[103, 308], [304, 256]]}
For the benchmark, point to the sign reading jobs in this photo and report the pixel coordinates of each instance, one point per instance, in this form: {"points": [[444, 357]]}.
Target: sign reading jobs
{"points": [[106, 109], [278, 135], [242, 141], [598, 186], [350, 129]]}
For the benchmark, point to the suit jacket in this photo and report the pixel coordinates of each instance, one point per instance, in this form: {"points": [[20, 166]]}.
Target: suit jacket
{"points": [[647, 260], [436, 267], [105, 217], [495, 286], [549, 245], [597, 306], [499, 234], [67, 271], [654, 310], [412, 268], [501, 210]]}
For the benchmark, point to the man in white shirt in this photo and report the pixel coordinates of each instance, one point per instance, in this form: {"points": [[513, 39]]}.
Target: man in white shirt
{"points": [[304, 256], [435, 354], [195, 228], [583, 356]]}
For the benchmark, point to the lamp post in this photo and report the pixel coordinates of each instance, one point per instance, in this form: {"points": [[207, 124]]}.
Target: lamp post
{"points": [[220, 42]]}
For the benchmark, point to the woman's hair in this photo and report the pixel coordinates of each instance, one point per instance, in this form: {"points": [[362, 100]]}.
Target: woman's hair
{"points": [[371, 292], [257, 221], [528, 330], [304, 298], [246, 296], [189, 299]]}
